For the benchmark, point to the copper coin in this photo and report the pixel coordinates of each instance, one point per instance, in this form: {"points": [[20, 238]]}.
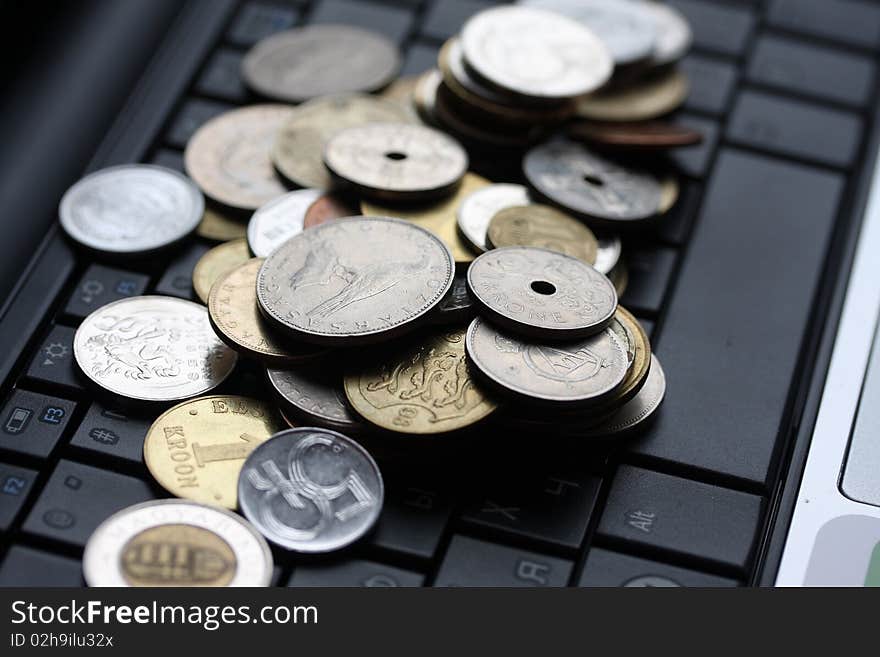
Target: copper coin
{"points": [[326, 208], [642, 135]]}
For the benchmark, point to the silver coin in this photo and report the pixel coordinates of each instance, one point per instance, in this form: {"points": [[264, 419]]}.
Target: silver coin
{"points": [[304, 63], [277, 221], [542, 293], [478, 208], [176, 543], [581, 372], [608, 253], [316, 394], [396, 161], [629, 32], [360, 280], [152, 348], [535, 54], [131, 209], [674, 35], [457, 306], [585, 183], [311, 490]]}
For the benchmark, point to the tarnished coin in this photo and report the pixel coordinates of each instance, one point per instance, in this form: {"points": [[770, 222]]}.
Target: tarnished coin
{"points": [[218, 227], [544, 227], [355, 280], [457, 306], [438, 217], [580, 372], [590, 185], [608, 254], [534, 54], [315, 394], [652, 95], [228, 156], [477, 208], [311, 490], [638, 136], [216, 262], [674, 34], [326, 208], [152, 348], [195, 450], [176, 543], [131, 209], [279, 220], [424, 387], [298, 152], [319, 60], [541, 293], [396, 161], [638, 351], [235, 316]]}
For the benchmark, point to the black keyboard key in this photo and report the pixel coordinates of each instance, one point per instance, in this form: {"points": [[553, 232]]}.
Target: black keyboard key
{"points": [[15, 485], [191, 116], [717, 27], [674, 226], [221, 77], [26, 567], [256, 21], [605, 568], [354, 573], [32, 423], [112, 432], [77, 498], [712, 82], [444, 19], [681, 516], [695, 160], [851, 22], [735, 322], [419, 58], [650, 271], [102, 285], [165, 157], [54, 362], [393, 22], [177, 279], [795, 128], [469, 562], [648, 325]]}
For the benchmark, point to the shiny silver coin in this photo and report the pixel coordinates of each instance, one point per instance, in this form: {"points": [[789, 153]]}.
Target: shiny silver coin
{"points": [[131, 209], [315, 394], [457, 306], [608, 253], [176, 543], [535, 54], [674, 35], [396, 161], [311, 490], [572, 373], [297, 65], [571, 176], [629, 32], [478, 208], [359, 280], [152, 348], [541, 293], [277, 221]]}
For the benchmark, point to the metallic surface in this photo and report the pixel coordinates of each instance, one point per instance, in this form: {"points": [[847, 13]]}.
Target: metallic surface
{"points": [[217, 262], [544, 227], [278, 220], [476, 210]]}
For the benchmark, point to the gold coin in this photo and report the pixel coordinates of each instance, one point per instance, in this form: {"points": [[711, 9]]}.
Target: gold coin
{"points": [[195, 450], [216, 262], [647, 98], [544, 227], [217, 227], [619, 277], [439, 218], [236, 318], [425, 388], [638, 352], [298, 151], [668, 194]]}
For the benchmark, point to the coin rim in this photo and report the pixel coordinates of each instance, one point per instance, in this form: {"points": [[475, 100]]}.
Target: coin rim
{"points": [[298, 411]]}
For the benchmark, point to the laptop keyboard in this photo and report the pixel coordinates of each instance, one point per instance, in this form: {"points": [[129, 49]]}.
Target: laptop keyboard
{"points": [[725, 289]]}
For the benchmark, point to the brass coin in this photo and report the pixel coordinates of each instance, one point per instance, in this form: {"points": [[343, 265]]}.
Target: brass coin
{"points": [[236, 318], [217, 227], [652, 95], [439, 218], [326, 208], [425, 388], [299, 146], [195, 450], [215, 263], [544, 227], [638, 352], [668, 194]]}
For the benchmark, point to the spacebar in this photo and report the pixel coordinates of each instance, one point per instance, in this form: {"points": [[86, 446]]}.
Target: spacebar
{"points": [[734, 326]]}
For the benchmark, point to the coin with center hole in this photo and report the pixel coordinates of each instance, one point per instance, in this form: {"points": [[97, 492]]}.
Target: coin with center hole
{"points": [[355, 280], [219, 227], [319, 60], [476, 210], [608, 253], [649, 96], [326, 208], [314, 394], [396, 161], [311, 490], [544, 227], [590, 185], [279, 220], [216, 262]]}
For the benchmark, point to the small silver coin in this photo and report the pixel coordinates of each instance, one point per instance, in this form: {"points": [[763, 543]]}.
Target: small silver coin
{"points": [[277, 221], [152, 348], [457, 306], [315, 393], [396, 161], [477, 209], [674, 35], [319, 60], [209, 546], [541, 293], [574, 373], [537, 55], [358, 280], [571, 176], [311, 490], [608, 254], [131, 209]]}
